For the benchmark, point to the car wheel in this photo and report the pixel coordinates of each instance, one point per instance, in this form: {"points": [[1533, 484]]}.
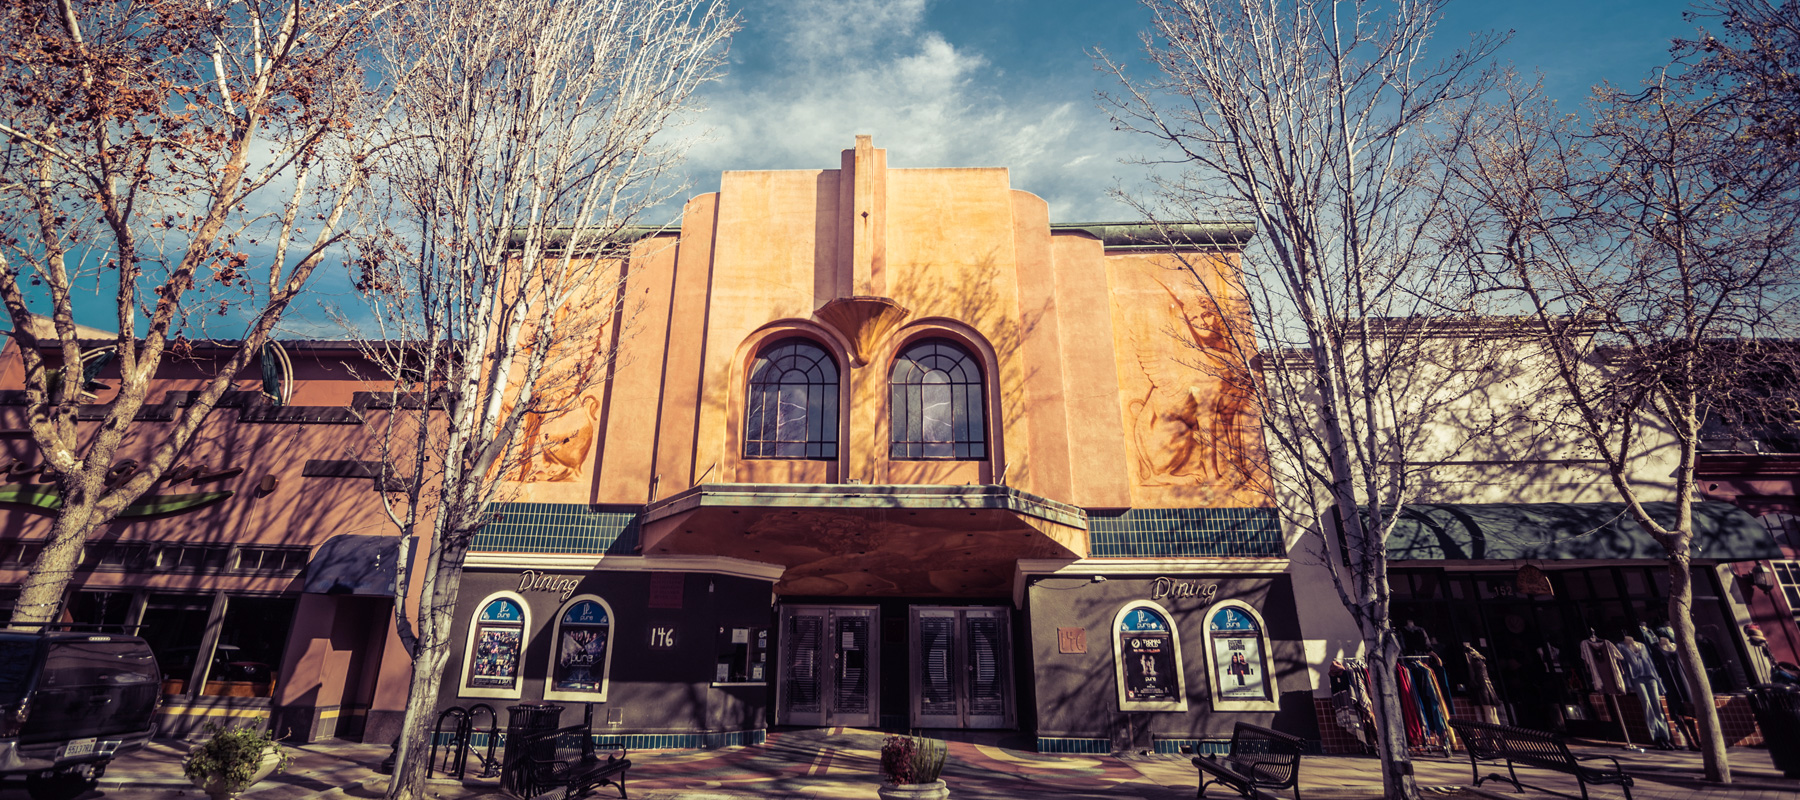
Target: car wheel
{"points": [[65, 785]]}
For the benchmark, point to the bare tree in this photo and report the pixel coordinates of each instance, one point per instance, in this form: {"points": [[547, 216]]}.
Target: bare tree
{"points": [[529, 137], [176, 161], [1309, 117], [1652, 273]]}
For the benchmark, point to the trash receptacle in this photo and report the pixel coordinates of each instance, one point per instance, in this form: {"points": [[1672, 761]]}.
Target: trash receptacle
{"points": [[523, 720], [1778, 714]]}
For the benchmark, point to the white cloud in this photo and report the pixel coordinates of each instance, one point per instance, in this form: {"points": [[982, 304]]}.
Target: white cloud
{"points": [[875, 68]]}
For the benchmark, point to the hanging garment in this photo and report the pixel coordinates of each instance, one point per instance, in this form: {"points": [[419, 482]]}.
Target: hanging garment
{"points": [[1409, 708], [1343, 702], [1429, 715], [1675, 683], [1640, 670], [1637, 664], [1602, 659], [1481, 685], [1443, 686]]}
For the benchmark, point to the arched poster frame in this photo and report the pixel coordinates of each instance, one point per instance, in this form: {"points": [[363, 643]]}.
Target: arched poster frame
{"points": [[474, 685], [1147, 659], [1221, 667], [557, 654]]}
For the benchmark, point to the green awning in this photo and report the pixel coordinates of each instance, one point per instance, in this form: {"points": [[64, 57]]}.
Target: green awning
{"points": [[1564, 531]]}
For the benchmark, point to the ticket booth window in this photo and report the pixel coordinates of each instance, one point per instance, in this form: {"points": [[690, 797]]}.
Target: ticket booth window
{"points": [[496, 647], [1147, 659], [1237, 644], [583, 651]]}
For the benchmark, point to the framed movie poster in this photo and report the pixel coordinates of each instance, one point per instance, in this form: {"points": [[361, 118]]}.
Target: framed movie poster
{"points": [[1239, 650], [1147, 659], [582, 651], [496, 647]]}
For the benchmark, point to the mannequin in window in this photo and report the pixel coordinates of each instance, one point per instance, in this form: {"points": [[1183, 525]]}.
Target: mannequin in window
{"points": [[1414, 640], [1481, 685], [1640, 674]]}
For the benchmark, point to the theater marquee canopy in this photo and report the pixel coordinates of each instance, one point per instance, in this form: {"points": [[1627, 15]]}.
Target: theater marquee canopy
{"points": [[850, 539]]}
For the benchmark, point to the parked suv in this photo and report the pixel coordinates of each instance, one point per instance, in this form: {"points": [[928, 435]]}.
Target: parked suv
{"points": [[71, 702]]}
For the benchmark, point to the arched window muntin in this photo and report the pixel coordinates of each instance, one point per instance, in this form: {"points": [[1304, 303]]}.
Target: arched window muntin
{"points": [[792, 408], [494, 655], [937, 403], [561, 679], [1124, 628], [1219, 652]]}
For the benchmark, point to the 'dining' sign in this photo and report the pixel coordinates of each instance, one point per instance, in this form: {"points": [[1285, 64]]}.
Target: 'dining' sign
{"points": [[1164, 587]]}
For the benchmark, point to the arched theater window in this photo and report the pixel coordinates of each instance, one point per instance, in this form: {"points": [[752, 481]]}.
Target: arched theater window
{"points": [[793, 404], [936, 403]]}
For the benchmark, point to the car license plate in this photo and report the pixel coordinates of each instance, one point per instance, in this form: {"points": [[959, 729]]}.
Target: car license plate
{"points": [[79, 747]]}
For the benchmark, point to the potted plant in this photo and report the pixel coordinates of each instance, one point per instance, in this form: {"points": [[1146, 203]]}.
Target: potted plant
{"points": [[233, 760], [910, 765]]}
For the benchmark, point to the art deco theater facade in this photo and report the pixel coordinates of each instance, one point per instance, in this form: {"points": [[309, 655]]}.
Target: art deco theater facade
{"points": [[881, 447]]}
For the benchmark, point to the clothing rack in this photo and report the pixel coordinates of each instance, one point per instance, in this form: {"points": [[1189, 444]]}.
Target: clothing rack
{"points": [[1426, 705]]}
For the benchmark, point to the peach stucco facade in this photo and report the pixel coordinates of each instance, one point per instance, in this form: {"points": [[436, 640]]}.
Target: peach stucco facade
{"points": [[1086, 353]]}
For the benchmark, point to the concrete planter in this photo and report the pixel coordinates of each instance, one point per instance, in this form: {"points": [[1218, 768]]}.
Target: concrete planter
{"points": [[935, 790], [219, 789]]}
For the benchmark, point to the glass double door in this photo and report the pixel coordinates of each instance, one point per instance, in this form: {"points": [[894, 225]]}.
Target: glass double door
{"points": [[830, 667], [961, 667]]}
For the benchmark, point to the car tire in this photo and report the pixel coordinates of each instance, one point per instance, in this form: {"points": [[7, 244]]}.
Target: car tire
{"points": [[64, 785]]}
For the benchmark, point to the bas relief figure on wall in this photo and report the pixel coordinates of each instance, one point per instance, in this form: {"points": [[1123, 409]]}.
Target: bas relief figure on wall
{"points": [[1188, 407]]}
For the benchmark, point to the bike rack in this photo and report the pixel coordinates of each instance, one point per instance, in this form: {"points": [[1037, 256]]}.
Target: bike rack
{"points": [[456, 750], [455, 760], [490, 766]]}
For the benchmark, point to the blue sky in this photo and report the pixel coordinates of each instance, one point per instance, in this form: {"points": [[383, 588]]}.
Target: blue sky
{"points": [[1009, 82], [943, 83]]}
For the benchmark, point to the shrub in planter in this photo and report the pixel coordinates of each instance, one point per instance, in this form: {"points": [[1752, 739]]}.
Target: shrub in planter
{"points": [[912, 764], [232, 760]]}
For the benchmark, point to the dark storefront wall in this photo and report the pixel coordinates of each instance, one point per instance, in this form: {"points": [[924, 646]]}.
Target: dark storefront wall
{"points": [[1076, 694], [1513, 630], [670, 637]]}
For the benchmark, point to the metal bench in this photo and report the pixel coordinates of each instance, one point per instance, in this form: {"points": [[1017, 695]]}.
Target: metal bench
{"points": [[1259, 758], [1525, 747], [541, 771]]}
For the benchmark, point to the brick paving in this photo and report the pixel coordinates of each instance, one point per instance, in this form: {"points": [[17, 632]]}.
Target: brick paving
{"points": [[843, 763]]}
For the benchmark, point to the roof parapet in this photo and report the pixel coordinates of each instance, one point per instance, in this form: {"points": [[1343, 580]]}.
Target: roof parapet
{"points": [[1148, 236]]}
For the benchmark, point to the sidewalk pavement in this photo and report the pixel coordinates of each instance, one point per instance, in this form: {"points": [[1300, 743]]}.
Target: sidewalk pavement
{"points": [[834, 764]]}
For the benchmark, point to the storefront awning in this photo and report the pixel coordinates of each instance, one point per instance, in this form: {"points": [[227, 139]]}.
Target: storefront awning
{"points": [[355, 564], [870, 540], [1565, 531]]}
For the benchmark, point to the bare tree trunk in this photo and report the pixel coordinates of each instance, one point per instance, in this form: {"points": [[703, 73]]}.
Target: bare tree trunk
{"points": [[1396, 763], [41, 593], [1693, 670], [436, 620]]}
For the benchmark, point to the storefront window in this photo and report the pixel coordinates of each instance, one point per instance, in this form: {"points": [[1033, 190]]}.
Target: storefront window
{"points": [[496, 646], [1531, 643], [252, 638], [100, 609], [175, 627], [583, 657], [743, 655], [1238, 646], [1147, 659]]}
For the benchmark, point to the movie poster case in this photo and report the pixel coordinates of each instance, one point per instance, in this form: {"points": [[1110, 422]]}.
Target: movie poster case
{"points": [[494, 656], [1147, 659], [1239, 658], [581, 651]]}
